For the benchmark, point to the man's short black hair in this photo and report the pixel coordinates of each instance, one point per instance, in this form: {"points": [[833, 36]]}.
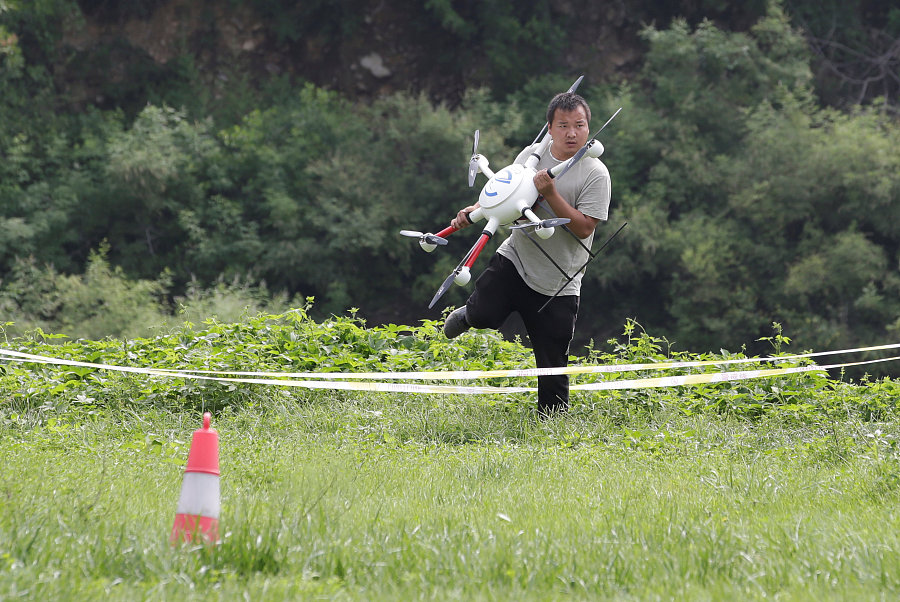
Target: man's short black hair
{"points": [[567, 101]]}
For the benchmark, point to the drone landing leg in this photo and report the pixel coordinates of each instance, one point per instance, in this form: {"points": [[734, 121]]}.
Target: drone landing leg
{"points": [[590, 259], [547, 255]]}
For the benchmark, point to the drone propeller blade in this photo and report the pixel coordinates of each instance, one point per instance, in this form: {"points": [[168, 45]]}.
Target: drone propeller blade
{"points": [[443, 289], [539, 136], [473, 162], [547, 223], [597, 133], [577, 83], [433, 239], [429, 238], [554, 222]]}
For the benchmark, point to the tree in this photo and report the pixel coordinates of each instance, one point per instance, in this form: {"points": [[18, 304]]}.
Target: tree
{"points": [[748, 203]]}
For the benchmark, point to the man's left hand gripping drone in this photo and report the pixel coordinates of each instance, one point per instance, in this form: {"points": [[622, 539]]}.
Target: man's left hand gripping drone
{"points": [[508, 196]]}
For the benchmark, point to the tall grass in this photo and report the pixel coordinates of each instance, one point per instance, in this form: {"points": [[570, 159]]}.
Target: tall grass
{"points": [[714, 510]]}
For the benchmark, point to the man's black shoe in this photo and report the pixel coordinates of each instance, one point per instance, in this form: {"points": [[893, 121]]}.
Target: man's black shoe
{"points": [[456, 323]]}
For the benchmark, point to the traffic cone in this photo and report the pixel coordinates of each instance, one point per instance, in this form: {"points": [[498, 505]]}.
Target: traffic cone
{"points": [[198, 507]]}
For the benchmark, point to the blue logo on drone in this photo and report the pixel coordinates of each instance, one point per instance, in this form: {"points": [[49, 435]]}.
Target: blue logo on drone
{"points": [[508, 178]]}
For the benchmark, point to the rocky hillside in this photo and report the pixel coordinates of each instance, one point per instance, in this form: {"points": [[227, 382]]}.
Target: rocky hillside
{"points": [[113, 54], [359, 48]]}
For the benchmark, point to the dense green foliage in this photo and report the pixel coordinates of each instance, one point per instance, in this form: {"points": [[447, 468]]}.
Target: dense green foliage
{"points": [[295, 342], [748, 201], [784, 487]]}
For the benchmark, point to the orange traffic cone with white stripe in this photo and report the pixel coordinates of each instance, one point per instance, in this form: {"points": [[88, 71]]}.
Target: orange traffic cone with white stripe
{"points": [[197, 515]]}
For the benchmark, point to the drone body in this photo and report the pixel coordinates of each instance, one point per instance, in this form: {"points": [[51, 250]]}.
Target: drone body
{"points": [[508, 196]]}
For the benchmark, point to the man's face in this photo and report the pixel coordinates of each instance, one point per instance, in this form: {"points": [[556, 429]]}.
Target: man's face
{"points": [[569, 130]]}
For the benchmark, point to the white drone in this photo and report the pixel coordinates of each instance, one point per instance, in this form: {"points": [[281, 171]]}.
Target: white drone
{"points": [[508, 196]]}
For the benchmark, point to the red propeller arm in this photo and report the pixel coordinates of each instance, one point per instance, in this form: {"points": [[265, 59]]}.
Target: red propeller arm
{"points": [[485, 236], [446, 231], [450, 229]]}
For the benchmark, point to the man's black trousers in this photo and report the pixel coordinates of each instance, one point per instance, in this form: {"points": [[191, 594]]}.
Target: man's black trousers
{"points": [[500, 291]]}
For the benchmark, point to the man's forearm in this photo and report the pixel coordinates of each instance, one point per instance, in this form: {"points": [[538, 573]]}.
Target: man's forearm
{"points": [[581, 225]]}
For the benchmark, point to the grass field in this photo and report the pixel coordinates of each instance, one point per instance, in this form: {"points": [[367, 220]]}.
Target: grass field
{"points": [[665, 494]]}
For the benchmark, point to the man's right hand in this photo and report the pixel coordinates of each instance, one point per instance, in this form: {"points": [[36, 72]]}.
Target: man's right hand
{"points": [[462, 218]]}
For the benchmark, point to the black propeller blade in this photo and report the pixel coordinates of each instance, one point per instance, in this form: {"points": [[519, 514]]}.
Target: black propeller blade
{"points": [[547, 223], [597, 133], [443, 289]]}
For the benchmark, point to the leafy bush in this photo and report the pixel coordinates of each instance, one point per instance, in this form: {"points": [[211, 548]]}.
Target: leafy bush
{"points": [[745, 198], [103, 302], [100, 303], [294, 342]]}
